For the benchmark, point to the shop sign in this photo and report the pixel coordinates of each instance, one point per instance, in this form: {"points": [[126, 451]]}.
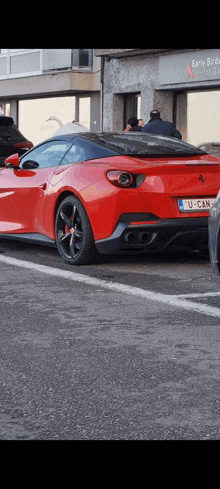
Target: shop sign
{"points": [[190, 67]]}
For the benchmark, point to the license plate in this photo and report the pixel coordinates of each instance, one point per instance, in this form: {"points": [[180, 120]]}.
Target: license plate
{"points": [[195, 205]]}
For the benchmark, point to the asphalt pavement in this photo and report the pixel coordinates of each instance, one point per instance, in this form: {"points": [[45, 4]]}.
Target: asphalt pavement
{"points": [[91, 360]]}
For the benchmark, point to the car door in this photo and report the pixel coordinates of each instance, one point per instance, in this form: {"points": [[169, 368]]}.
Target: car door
{"points": [[23, 190]]}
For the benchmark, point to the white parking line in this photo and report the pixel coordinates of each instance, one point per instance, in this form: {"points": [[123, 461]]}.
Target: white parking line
{"points": [[171, 300], [204, 294]]}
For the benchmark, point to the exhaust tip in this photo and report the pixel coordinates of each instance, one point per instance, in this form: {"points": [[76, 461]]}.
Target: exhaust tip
{"points": [[129, 237], [143, 237]]}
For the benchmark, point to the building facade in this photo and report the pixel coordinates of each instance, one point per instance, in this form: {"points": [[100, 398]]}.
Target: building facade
{"points": [[31, 74], [174, 81]]}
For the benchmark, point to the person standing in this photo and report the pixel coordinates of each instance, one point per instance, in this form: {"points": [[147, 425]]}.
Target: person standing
{"points": [[157, 126], [141, 122], [134, 124]]}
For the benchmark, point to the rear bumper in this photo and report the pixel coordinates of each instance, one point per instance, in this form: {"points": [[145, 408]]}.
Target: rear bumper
{"points": [[189, 233]]}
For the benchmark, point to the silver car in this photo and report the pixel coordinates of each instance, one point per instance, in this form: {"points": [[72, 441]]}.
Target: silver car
{"points": [[213, 148], [214, 235]]}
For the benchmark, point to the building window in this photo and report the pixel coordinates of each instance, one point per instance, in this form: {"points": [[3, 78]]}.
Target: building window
{"points": [[132, 106], [4, 51], [82, 57]]}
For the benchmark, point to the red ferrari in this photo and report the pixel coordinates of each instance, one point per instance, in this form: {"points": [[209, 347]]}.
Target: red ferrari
{"points": [[105, 192]]}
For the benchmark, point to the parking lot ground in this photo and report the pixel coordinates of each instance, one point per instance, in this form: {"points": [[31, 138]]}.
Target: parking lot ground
{"points": [[102, 352]]}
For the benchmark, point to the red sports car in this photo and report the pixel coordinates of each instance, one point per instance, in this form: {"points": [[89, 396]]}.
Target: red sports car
{"points": [[104, 192]]}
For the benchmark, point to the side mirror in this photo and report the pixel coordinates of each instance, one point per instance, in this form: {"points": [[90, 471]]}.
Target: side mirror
{"points": [[30, 165], [12, 161]]}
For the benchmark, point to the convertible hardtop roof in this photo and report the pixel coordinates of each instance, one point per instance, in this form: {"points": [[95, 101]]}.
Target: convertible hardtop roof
{"points": [[136, 136], [127, 135], [134, 143], [70, 137], [90, 135], [86, 135]]}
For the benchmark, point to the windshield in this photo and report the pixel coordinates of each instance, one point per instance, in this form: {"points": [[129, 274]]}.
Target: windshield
{"points": [[141, 144]]}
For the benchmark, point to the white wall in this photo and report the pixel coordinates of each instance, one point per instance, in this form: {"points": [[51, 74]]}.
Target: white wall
{"points": [[33, 115], [203, 117]]}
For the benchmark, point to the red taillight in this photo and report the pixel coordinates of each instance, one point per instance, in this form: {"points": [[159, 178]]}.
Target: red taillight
{"points": [[24, 145], [120, 178], [137, 223]]}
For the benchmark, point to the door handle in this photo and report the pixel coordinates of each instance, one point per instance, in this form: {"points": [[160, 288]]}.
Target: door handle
{"points": [[43, 186]]}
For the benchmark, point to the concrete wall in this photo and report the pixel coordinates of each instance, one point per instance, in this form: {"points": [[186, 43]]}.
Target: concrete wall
{"points": [[138, 74], [126, 75]]}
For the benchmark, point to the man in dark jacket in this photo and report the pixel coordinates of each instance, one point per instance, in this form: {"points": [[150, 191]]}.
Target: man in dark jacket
{"points": [[134, 124], [157, 126]]}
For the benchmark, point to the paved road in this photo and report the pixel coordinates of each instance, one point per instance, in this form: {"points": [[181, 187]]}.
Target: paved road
{"points": [[125, 349]]}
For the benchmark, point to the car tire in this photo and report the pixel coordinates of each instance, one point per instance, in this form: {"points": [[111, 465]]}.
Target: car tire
{"points": [[74, 236]]}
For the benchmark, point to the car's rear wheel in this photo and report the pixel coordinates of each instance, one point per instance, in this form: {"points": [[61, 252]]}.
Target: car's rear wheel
{"points": [[74, 236]]}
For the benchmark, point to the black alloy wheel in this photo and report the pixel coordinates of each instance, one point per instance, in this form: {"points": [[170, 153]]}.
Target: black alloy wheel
{"points": [[74, 236]]}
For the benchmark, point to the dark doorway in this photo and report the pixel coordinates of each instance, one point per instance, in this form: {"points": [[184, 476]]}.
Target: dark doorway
{"points": [[130, 106]]}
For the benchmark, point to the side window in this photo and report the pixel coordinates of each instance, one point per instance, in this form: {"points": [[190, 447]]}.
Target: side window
{"points": [[47, 155], [74, 155]]}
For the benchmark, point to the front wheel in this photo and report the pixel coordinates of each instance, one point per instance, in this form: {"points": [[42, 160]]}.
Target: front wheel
{"points": [[74, 236]]}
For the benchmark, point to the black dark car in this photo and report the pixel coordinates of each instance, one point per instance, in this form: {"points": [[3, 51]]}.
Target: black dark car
{"points": [[11, 139]]}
